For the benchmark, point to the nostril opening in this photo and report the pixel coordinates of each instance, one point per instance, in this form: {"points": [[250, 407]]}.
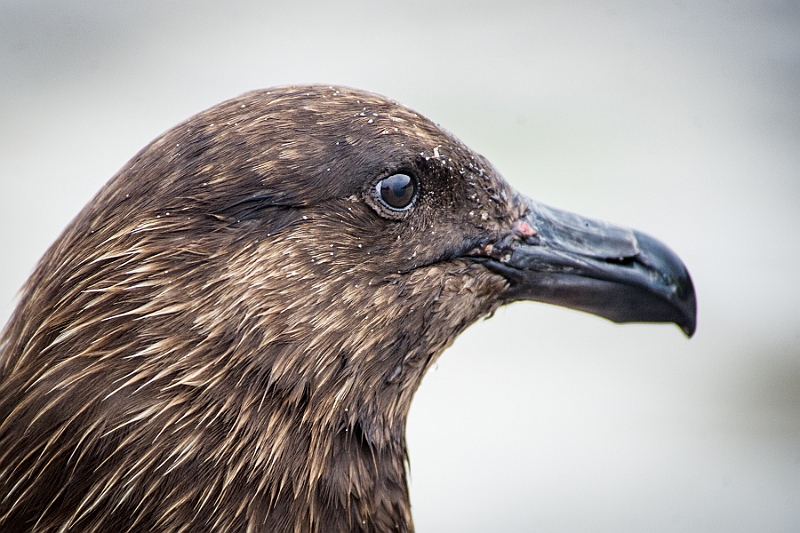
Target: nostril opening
{"points": [[622, 261]]}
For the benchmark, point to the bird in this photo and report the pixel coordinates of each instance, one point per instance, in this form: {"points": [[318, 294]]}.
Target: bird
{"points": [[228, 337]]}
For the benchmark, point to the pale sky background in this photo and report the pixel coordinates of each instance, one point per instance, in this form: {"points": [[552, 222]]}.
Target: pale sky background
{"points": [[679, 118]]}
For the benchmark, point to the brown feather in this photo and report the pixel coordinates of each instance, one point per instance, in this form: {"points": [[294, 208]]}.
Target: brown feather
{"points": [[229, 336]]}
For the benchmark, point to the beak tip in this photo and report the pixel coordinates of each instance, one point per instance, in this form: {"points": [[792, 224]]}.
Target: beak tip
{"points": [[681, 291], [689, 322], [690, 325], [686, 304]]}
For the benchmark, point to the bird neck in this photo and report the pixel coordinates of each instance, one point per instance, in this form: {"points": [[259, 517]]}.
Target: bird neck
{"points": [[338, 483], [357, 486], [302, 474]]}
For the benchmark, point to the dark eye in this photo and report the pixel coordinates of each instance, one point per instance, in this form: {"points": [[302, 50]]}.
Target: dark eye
{"points": [[397, 192]]}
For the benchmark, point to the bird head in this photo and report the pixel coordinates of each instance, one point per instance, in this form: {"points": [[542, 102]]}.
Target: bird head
{"points": [[297, 258]]}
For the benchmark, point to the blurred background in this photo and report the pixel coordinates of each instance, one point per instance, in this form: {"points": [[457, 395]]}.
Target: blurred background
{"points": [[680, 118]]}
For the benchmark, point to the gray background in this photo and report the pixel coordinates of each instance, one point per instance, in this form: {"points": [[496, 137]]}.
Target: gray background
{"points": [[678, 118]]}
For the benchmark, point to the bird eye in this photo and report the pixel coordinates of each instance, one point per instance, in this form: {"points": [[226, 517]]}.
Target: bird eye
{"points": [[397, 192]]}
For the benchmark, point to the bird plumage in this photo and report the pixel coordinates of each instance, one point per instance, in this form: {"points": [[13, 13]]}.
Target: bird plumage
{"points": [[229, 336]]}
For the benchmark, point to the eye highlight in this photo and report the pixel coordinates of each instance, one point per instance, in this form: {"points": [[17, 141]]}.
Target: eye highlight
{"points": [[397, 192]]}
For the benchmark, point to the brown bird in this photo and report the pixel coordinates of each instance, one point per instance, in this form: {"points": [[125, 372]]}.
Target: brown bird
{"points": [[229, 336]]}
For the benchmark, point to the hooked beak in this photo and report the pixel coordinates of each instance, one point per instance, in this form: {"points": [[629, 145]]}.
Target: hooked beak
{"points": [[620, 274]]}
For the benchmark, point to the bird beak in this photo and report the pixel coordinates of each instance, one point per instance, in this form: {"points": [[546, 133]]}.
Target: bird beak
{"points": [[620, 274]]}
